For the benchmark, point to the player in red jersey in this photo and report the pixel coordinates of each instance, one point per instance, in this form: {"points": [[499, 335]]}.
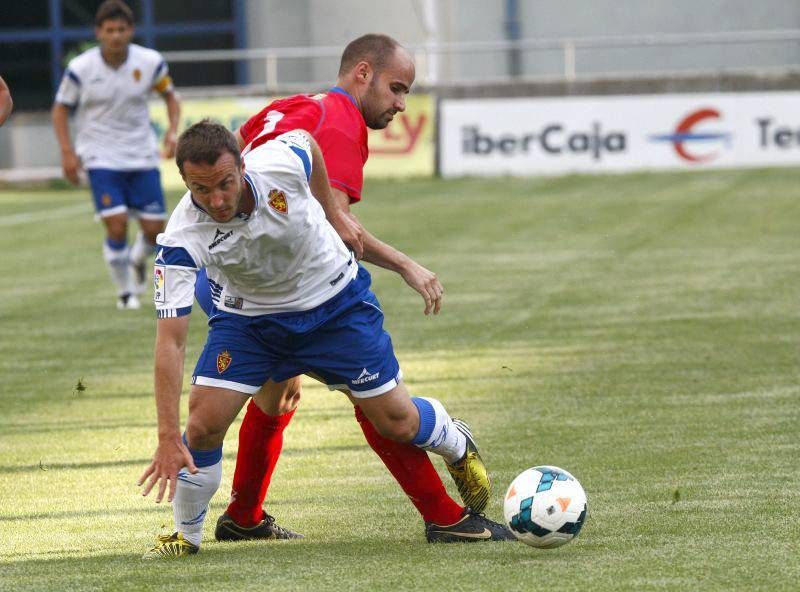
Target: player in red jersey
{"points": [[375, 75], [6, 103]]}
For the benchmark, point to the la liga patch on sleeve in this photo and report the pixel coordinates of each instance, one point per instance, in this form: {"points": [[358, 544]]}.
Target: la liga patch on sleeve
{"points": [[159, 284]]}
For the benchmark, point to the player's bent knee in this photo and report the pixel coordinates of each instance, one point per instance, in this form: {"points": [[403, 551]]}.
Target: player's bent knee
{"points": [[279, 398], [393, 414], [285, 404], [116, 227], [151, 229], [202, 436], [396, 429], [403, 433]]}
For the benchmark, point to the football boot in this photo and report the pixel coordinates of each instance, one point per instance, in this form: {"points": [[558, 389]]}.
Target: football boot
{"points": [[472, 528], [469, 473], [228, 530], [171, 545]]}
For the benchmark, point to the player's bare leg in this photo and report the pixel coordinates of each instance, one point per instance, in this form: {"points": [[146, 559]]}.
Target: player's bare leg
{"points": [[260, 445], [143, 246], [116, 253]]}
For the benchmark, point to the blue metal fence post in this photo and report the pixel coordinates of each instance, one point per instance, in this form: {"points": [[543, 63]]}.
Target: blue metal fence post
{"points": [[56, 43], [513, 34], [148, 24], [241, 72]]}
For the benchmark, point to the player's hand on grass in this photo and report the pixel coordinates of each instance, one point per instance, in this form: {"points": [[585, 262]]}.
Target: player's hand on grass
{"points": [[426, 283], [170, 457], [170, 143], [71, 164], [350, 231]]}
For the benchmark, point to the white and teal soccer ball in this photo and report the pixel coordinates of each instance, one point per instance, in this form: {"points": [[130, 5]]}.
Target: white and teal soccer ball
{"points": [[545, 507]]}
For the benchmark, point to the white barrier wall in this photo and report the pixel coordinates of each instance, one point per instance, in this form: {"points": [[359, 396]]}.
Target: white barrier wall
{"points": [[622, 133]]}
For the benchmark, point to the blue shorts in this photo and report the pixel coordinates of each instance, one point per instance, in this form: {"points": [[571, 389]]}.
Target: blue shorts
{"points": [[116, 192], [342, 342]]}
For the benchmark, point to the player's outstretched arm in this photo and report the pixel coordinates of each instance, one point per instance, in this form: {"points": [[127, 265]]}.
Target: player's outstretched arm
{"points": [[6, 102], [70, 163], [379, 253], [421, 279], [171, 454]]}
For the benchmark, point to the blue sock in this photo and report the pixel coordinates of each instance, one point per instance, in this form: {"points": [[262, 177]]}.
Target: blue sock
{"points": [[437, 433]]}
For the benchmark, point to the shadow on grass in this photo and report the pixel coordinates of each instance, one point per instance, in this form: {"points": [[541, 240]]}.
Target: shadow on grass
{"points": [[79, 515], [381, 560], [45, 467], [75, 426], [35, 426]]}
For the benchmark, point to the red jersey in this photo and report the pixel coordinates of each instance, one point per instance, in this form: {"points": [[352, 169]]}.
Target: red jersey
{"points": [[335, 122]]}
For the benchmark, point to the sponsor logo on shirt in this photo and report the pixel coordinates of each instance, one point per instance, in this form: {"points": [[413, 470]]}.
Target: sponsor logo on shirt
{"points": [[365, 376], [234, 302], [277, 201], [219, 237], [224, 360]]}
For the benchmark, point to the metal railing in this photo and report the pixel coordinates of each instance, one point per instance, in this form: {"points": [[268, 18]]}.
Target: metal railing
{"points": [[430, 56]]}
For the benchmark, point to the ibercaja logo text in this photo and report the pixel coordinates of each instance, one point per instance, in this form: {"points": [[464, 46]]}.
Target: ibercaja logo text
{"points": [[554, 139]]}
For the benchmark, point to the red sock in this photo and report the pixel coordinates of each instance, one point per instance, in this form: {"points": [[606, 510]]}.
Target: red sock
{"points": [[414, 471], [260, 444]]}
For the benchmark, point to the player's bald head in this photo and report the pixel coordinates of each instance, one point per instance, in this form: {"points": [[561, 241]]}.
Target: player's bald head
{"points": [[375, 49]]}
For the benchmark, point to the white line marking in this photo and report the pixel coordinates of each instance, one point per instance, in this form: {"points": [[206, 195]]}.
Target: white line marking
{"points": [[28, 217]]}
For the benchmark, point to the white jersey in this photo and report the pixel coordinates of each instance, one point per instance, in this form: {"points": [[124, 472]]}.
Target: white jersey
{"points": [[113, 128], [283, 257]]}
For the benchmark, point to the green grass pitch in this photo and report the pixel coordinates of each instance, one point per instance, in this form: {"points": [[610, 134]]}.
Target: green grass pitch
{"points": [[640, 331]]}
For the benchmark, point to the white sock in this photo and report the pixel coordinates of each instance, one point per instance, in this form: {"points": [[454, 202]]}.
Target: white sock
{"points": [[437, 433], [140, 249], [192, 494], [116, 256]]}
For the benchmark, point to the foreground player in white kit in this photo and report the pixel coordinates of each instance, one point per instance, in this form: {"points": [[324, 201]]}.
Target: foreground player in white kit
{"points": [[292, 301], [108, 87]]}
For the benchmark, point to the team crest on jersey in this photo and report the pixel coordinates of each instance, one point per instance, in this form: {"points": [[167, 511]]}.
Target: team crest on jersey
{"points": [[137, 74], [106, 200], [224, 360], [277, 201]]}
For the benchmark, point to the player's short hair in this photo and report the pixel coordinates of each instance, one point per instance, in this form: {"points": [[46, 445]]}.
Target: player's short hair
{"points": [[113, 10], [205, 142], [373, 48]]}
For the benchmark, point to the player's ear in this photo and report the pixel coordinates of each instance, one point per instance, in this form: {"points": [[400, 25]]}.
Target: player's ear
{"points": [[363, 72]]}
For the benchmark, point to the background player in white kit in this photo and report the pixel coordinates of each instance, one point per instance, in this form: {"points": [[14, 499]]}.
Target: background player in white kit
{"points": [[292, 300], [108, 87]]}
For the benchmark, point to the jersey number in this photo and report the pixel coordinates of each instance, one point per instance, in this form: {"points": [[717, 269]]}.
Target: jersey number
{"points": [[270, 121]]}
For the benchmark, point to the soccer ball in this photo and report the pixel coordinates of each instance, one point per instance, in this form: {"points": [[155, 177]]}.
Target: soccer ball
{"points": [[545, 507]]}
